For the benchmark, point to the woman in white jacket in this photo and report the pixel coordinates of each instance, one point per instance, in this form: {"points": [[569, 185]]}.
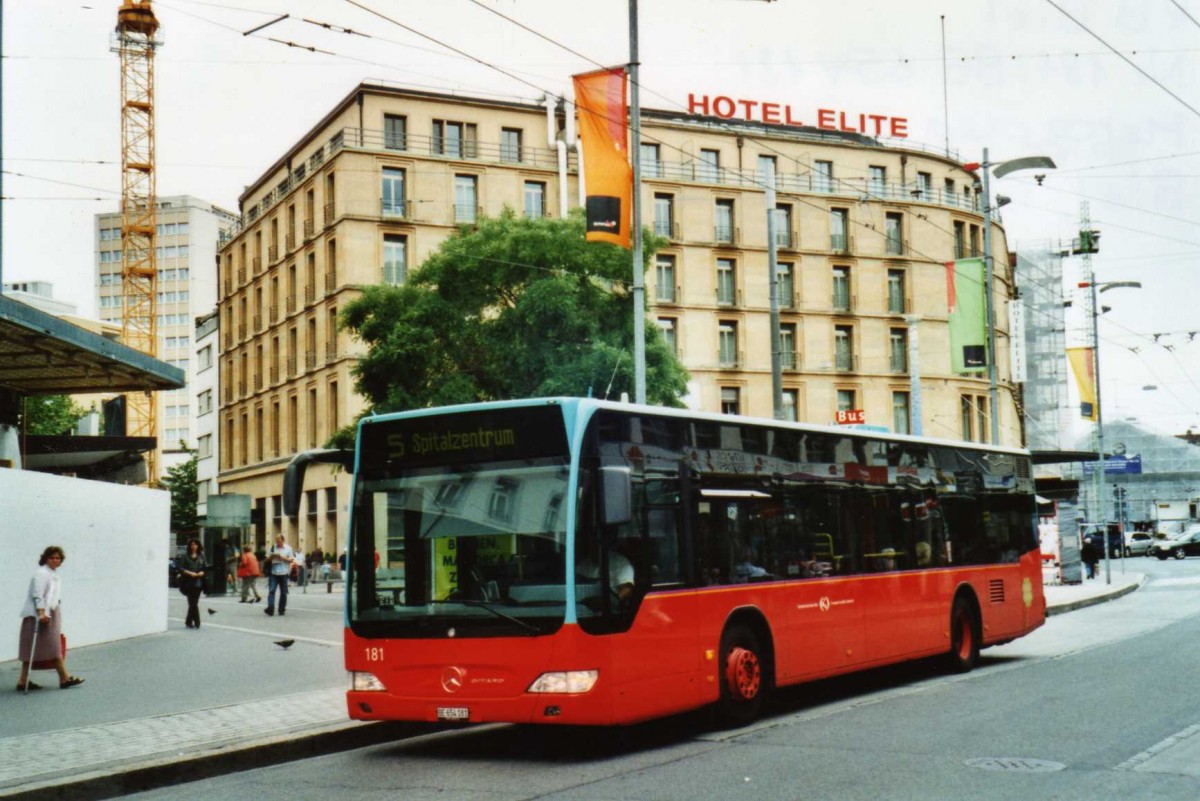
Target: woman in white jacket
{"points": [[41, 620]]}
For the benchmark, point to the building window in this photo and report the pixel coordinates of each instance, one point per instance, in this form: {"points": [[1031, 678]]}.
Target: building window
{"points": [[510, 144], [843, 348], [790, 404], [455, 139], [948, 191], [966, 417], [664, 215], [204, 402], [204, 357], [783, 225], [766, 168], [731, 400], [981, 417], [726, 282], [894, 228], [900, 413], [846, 400], [393, 191], [728, 343], [839, 224], [502, 501], [877, 178], [466, 198], [395, 132], [651, 165], [841, 289], [664, 278], [667, 327], [204, 446], [787, 346], [822, 176], [960, 239], [785, 284], [924, 186], [724, 217], [898, 350], [973, 232], [535, 200], [973, 417], [395, 259], [709, 168], [895, 292]]}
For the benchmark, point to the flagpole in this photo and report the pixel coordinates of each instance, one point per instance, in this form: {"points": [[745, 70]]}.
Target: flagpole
{"points": [[635, 152]]}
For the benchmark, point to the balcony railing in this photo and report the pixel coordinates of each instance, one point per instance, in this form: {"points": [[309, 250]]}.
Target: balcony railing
{"points": [[787, 239], [241, 275], [328, 213], [789, 360], [731, 361], [291, 304], [257, 265], [241, 331], [899, 305], [289, 242], [258, 326], [330, 282], [841, 243], [805, 182], [258, 383], [310, 359], [729, 297], [310, 229], [726, 235], [896, 247], [465, 214], [273, 314], [227, 286], [274, 375], [845, 363], [667, 228], [398, 209], [844, 302], [291, 366], [666, 293], [330, 351], [310, 293], [273, 254]]}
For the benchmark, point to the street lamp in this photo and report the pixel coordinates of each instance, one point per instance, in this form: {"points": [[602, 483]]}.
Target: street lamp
{"points": [[1002, 168], [1099, 477]]}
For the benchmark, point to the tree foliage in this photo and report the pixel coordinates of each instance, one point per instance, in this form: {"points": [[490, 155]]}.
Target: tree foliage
{"points": [[51, 415], [180, 481], [514, 308]]}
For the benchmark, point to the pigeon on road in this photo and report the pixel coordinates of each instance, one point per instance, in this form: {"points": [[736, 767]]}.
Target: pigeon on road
{"points": [[284, 644]]}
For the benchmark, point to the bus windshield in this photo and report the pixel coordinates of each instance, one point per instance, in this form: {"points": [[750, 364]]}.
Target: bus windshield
{"points": [[449, 543]]}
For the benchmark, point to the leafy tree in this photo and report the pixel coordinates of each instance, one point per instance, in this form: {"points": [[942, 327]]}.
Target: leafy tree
{"points": [[514, 308], [180, 481], [51, 414]]}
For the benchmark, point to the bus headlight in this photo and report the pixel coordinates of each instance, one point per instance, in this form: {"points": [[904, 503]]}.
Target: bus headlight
{"points": [[568, 682], [365, 682]]}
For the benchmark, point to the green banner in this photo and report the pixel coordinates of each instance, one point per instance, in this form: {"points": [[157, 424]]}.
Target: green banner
{"points": [[968, 321]]}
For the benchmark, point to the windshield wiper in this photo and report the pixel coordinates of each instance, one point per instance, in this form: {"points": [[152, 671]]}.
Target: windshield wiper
{"points": [[529, 627]]}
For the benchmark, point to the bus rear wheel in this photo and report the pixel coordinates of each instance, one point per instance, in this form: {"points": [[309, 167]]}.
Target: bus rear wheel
{"points": [[744, 677], [964, 637]]}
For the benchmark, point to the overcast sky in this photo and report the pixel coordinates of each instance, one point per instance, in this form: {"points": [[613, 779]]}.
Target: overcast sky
{"points": [[1021, 78]]}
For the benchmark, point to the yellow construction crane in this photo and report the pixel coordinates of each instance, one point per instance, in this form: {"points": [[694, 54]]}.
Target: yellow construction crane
{"points": [[135, 39]]}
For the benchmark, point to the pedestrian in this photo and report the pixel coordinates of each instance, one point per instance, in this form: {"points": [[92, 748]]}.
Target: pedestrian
{"points": [[41, 623], [248, 574], [192, 569], [1090, 556], [232, 558], [280, 560]]}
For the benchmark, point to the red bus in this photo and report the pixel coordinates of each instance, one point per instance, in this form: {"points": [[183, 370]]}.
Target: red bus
{"points": [[571, 561]]}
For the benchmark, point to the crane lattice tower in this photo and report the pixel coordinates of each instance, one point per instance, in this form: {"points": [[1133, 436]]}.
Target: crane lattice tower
{"points": [[135, 40]]}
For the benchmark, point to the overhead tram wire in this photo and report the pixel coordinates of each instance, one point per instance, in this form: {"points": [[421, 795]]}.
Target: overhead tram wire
{"points": [[1185, 13], [1124, 58]]}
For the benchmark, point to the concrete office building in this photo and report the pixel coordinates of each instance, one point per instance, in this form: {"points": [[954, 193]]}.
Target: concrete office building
{"points": [[188, 231], [864, 232]]}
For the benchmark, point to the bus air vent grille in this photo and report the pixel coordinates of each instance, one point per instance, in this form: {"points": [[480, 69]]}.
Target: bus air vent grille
{"points": [[996, 591]]}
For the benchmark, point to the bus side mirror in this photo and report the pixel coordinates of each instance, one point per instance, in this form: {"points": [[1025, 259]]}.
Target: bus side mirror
{"points": [[293, 476], [617, 488]]}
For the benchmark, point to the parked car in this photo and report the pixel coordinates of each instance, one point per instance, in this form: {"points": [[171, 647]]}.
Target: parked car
{"points": [[1185, 544], [1137, 543]]}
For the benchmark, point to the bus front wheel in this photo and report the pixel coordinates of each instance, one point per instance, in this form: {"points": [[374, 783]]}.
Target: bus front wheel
{"points": [[744, 677], [964, 636]]}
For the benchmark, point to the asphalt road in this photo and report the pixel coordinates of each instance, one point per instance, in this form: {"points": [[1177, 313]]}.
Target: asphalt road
{"points": [[1099, 703]]}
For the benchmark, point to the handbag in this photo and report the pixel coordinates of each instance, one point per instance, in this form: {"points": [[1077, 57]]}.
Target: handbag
{"points": [[51, 664]]}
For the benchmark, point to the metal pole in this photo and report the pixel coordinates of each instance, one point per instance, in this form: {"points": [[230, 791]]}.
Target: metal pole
{"points": [[773, 280], [988, 271], [1099, 477], [639, 289], [914, 372]]}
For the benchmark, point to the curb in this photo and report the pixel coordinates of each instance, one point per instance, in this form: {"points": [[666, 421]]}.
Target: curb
{"points": [[1097, 599], [167, 771]]}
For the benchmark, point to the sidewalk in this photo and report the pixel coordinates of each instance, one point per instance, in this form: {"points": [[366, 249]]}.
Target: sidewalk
{"points": [[250, 703]]}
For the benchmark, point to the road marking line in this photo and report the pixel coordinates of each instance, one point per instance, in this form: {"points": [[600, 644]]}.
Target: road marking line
{"points": [[1137, 759], [298, 638]]}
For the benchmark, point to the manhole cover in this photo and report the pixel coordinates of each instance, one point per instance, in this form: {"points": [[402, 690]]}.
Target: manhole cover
{"points": [[1015, 764]]}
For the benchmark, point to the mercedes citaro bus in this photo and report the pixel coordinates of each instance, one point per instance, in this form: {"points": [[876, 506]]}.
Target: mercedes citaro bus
{"points": [[576, 561]]}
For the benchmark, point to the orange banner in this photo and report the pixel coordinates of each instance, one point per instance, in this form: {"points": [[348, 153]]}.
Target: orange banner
{"points": [[1085, 376], [600, 100]]}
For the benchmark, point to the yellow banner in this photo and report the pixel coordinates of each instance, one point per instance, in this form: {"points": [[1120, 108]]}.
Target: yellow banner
{"points": [[1085, 376], [600, 99]]}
